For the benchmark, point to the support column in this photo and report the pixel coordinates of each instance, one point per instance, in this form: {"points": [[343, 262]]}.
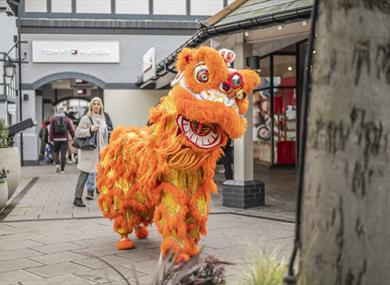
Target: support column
{"points": [[243, 192], [30, 137]]}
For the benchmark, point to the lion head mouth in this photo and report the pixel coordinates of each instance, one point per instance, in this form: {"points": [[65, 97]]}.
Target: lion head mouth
{"points": [[202, 135]]}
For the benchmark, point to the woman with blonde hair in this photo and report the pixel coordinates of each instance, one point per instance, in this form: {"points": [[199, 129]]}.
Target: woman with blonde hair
{"points": [[93, 121]]}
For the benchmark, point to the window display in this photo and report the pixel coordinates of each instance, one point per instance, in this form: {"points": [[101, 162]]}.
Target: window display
{"points": [[275, 128]]}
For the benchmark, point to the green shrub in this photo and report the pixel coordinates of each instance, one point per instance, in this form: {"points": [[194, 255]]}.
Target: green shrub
{"points": [[264, 269], [5, 139], [3, 174]]}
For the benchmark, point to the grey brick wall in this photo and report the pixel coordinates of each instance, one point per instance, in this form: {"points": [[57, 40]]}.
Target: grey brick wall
{"points": [[132, 48], [243, 194]]}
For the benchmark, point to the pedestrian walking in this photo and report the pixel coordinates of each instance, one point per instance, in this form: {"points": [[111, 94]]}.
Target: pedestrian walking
{"points": [[60, 127], [91, 180], [49, 148], [72, 151], [44, 136], [93, 121]]}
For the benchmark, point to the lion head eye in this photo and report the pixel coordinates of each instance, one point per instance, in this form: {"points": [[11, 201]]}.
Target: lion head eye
{"points": [[225, 87], [201, 74], [236, 80]]}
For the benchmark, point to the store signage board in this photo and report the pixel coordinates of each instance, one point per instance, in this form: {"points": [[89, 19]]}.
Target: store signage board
{"points": [[12, 108], [149, 64], [75, 52]]}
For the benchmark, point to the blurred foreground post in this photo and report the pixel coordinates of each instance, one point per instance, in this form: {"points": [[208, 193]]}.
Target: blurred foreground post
{"points": [[346, 210]]}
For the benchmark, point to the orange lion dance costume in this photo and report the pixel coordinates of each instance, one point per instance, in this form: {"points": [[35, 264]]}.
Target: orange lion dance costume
{"points": [[163, 173]]}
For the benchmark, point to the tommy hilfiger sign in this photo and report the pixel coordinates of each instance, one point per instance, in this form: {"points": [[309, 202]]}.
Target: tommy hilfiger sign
{"points": [[75, 52]]}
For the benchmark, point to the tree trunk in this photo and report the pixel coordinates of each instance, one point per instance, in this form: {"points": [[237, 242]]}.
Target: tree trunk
{"points": [[346, 210]]}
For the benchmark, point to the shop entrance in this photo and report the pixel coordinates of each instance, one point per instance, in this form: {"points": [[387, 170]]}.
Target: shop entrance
{"points": [[72, 94], [276, 106]]}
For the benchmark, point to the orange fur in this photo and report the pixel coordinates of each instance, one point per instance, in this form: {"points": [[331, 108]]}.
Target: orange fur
{"points": [[162, 173]]}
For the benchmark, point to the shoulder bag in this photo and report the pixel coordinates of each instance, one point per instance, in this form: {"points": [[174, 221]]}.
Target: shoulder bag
{"points": [[88, 143]]}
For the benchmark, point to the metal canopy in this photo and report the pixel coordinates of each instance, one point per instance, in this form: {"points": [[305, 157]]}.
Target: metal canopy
{"points": [[13, 4], [251, 14], [257, 8]]}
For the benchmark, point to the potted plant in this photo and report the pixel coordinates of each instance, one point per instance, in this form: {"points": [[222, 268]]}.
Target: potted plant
{"points": [[3, 187], [9, 156]]}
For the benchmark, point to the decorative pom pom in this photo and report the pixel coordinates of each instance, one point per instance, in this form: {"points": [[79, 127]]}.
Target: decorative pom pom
{"points": [[227, 55]]}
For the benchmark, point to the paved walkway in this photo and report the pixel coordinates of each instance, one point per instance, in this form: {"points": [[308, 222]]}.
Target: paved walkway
{"points": [[45, 240]]}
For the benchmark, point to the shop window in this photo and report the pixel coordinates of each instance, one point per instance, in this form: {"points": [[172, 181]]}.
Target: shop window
{"points": [[35, 6], [132, 6], [206, 7], [265, 67], [285, 70], [285, 122], [61, 6], [284, 125], [262, 125], [275, 126], [93, 6], [169, 7], [262, 121], [285, 106]]}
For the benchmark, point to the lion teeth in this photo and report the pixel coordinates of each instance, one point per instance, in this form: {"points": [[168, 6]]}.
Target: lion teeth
{"points": [[210, 140], [211, 95]]}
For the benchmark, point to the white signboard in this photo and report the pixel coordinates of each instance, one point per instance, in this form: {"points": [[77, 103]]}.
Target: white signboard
{"points": [[12, 108], [149, 64], [75, 52]]}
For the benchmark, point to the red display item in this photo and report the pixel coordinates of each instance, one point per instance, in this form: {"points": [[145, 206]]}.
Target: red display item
{"points": [[278, 105], [286, 153]]}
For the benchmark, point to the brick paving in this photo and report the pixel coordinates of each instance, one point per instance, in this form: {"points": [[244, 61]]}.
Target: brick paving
{"points": [[45, 240]]}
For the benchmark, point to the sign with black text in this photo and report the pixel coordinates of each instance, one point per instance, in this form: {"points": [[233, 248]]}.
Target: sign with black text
{"points": [[75, 52]]}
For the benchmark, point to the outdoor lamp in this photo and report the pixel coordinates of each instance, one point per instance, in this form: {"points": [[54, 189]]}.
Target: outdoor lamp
{"points": [[9, 69], [8, 79]]}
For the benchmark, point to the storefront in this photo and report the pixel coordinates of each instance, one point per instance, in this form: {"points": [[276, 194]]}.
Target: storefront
{"points": [[281, 73], [101, 44], [270, 37]]}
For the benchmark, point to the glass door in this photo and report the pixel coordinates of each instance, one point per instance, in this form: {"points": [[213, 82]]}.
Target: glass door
{"points": [[275, 122]]}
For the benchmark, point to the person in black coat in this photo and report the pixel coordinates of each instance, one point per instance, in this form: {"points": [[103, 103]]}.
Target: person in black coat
{"points": [[110, 127], [228, 159]]}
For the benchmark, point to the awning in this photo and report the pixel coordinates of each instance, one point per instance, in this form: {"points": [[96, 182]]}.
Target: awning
{"points": [[13, 4], [239, 16], [256, 8]]}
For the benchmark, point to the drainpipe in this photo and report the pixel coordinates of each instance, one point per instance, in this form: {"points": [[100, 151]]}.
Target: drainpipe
{"points": [[20, 83]]}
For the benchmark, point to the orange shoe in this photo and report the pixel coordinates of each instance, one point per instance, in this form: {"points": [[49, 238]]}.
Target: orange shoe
{"points": [[182, 258], [142, 232], [125, 243]]}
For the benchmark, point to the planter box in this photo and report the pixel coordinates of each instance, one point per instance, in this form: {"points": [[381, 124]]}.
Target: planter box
{"points": [[3, 194], [10, 159]]}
